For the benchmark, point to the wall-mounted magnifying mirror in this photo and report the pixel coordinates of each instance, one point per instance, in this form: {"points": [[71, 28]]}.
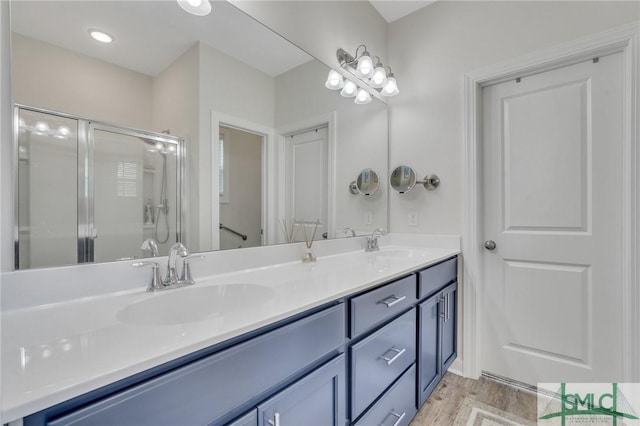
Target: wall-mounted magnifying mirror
{"points": [[367, 183], [404, 178]]}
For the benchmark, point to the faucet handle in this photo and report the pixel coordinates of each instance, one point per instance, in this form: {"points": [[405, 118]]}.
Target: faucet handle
{"points": [[185, 276], [156, 281]]}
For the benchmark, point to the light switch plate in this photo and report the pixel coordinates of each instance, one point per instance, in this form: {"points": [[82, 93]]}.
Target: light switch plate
{"points": [[412, 219], [368, 218]]}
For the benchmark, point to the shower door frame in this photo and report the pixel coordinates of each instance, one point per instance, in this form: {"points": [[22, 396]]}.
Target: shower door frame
{"points": [[86, 177]]}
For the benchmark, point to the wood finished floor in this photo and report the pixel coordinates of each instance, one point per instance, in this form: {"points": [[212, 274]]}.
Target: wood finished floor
{"points": [[444, 403]]}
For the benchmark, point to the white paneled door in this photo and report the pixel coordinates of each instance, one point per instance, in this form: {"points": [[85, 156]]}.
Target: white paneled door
{"points": [[552, 308], [307, 180]]}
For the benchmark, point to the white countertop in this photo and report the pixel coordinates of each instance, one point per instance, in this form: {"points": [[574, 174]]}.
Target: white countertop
{"points": [[54, 352]]}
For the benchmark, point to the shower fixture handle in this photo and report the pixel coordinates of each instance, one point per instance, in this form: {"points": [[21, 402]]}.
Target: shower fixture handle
{"points": [[156, 283]]}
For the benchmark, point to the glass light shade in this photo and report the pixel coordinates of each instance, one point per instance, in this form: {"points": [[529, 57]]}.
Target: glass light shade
{"points": [[363, 97], [349, 90], [391, 87], [42, 126], [365, 66], [334, 81], [64, 130], [379, 78], [196, 7]]}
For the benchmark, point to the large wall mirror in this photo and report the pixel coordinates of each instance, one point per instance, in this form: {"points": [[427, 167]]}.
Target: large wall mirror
{"points": [[212, 130]]}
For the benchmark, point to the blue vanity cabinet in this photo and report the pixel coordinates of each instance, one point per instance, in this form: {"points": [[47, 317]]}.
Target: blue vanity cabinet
{"points": [[216, 388], [382, 351], [448, 319], [318, 399], [437, 331], [429, 372]]}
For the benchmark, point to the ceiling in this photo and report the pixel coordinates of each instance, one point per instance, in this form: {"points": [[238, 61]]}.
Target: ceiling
{"points": [[150, 35], [392, 10]]}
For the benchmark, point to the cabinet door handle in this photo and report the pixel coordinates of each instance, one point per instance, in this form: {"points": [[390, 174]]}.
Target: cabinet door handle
{"points": [[392, 300], [276, 419], [443, 310], [391, 360], [446, 317], [447, 308], [398, 417]]}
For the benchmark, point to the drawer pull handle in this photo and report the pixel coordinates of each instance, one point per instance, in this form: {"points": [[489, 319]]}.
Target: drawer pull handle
{"points": [[276, 420], [399, 417], [392, 300], [398, 353]]}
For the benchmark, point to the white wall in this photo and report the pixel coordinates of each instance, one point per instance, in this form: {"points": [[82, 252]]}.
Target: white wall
{"points": [[231, 87], [175, 107], [79, 85], [6, 150], [361, 139], [431, 50]]}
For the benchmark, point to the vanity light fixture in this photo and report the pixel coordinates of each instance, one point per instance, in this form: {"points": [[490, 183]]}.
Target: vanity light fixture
{"points": [[100, 36], [196, 7], [371, 77]]}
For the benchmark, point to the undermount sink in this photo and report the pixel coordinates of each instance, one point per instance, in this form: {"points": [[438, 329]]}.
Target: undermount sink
{"points": [[192, 304]]}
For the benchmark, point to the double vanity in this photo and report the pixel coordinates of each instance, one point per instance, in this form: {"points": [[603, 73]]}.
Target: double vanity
{"points": [[355, 338]]}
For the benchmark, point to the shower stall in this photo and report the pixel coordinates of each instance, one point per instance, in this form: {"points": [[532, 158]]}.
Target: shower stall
{"points": [[88, 191]]}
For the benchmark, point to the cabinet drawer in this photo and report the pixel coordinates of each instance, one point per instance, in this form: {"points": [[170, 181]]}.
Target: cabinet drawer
{"points": [[437, 276], [378, 360], [398, 405], [205, 390], [376, 306]]}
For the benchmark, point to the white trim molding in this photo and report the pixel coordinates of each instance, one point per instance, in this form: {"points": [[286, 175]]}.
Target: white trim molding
{"points": [[626, 40], [268, 170]]}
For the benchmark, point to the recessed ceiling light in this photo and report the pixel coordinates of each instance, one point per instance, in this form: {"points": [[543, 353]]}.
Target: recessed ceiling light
{"points": [[196, 7], [101, 36]]}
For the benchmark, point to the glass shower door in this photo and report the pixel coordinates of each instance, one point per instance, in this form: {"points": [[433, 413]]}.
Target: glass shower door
{"points": [[92, 192], [134, 193], [47, 208]]}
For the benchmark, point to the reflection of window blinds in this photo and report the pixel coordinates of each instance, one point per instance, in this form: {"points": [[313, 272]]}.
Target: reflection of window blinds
{"points": [[127, 179], [221, 164]]}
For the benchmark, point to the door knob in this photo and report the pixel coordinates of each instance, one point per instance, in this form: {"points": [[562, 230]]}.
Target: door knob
{"points": [[490, 245]]}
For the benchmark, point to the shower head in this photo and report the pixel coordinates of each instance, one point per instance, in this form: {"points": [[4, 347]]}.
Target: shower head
{"points": [[162, 148]]}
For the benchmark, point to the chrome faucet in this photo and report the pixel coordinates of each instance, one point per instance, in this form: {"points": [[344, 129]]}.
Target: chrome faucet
{"points": [[176, 250], [372, 241], [349, 229], [172, 279]]}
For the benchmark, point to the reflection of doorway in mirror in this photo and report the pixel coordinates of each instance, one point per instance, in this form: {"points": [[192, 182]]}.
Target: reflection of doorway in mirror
{"points": [[306, 178], [240, 167]]}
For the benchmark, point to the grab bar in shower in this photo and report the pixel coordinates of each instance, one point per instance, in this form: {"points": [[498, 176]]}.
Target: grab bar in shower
{"points": [[243, 236]]}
